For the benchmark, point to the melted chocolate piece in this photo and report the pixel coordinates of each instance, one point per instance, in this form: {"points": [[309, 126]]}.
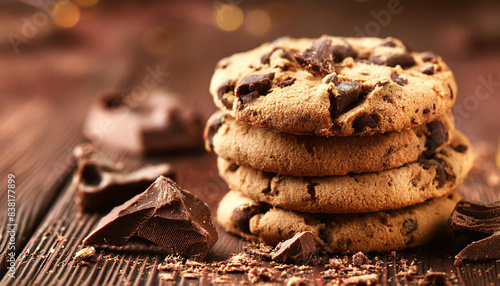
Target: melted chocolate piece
{"points": [[429, 57], [297, 250], [286, 82], [224, 88], [437, 137], [365, 121], [265, 59], [253, 86], [481, 218], [163, 214], [348, 94], [397, 79], [241, 216], [428, 69], [211, 129], [102, 187]]}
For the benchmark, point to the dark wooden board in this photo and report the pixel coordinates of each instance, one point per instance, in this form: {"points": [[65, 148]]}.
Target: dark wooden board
{"points": [[42, 117]]}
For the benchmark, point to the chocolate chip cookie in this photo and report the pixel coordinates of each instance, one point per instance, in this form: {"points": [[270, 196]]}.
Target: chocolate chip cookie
{"points": [[345, 233], [306, 155], [333, 86], [410, 184]]}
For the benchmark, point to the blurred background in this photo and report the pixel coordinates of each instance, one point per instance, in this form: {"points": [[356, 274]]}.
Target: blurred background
{"points": [[60, 54]]}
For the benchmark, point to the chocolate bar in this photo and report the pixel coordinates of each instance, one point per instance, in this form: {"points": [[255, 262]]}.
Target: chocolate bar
{"points": [[164, 214]]}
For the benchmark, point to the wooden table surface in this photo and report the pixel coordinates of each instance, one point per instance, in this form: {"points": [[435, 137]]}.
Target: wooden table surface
{"points": [[47, 84]]}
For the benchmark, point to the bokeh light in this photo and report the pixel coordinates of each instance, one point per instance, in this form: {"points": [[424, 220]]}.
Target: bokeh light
{"points": [[257, 22], [280, 14], [65, 14], [228, 17], [86, 3]]}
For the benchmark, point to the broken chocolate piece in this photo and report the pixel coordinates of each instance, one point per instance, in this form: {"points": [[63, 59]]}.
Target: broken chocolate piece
{"points": [[318, 59], [143, 122], [332, 78], [164, 214], [253, 86], [297, 250], [348, 93], [99, 186], [286, 82], [437, 137], [226, 87], [265, 59], [428, 69], [242, 215]]}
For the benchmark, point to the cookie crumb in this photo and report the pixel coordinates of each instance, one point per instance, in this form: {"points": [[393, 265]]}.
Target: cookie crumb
{"points": [[85, 254]]}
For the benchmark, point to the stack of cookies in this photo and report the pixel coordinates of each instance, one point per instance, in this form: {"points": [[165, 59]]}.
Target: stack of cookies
{"points": [[349, 138]]}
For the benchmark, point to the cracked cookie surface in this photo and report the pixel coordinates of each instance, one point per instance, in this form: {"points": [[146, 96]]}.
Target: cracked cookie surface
{"points": [[334, 86]]}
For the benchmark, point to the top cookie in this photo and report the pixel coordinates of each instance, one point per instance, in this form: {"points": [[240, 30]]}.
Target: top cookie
{"points": [[334, 86]]}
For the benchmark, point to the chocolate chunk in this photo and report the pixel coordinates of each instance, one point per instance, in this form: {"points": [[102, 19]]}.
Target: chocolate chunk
{"points": [[241, 216], [398, 79], [213, 125], [359, 259], [163, 214], [265, 59], [426, 111], [318, 59], [143, 122], [226, 87], [332, 78], [462, 148], [437, 137], [404, 60], [428, 69], [365, 121], [409, 226], [348, 93], [253, 86], [429, 57], [286, 82], [341, 52], [481, 218], [442, 175], [101, 187], [297, 250], [311, 190]]}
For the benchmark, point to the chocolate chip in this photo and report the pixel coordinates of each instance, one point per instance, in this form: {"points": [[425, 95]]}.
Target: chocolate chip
{"points": [[361, 123], [233, 167], [409, 226], [163, 214], [429, 57], [462, 148], [332, 78], [226, 87], [114, 101], [253, 86], [311, 190], [397, 79], [379, 83], [388, 43], [212, 127], [241, 215], [426, 111], [286, 82], [348, 93], [428, 69], [437, 137], [265, 59], [297, 250], [441, 173], [318, 59], [404, 60], [451, 92], [340, 52]]}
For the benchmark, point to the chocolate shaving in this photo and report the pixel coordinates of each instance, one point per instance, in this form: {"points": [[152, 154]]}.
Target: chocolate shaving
{"points": [[163, 214], [298, 250]]}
